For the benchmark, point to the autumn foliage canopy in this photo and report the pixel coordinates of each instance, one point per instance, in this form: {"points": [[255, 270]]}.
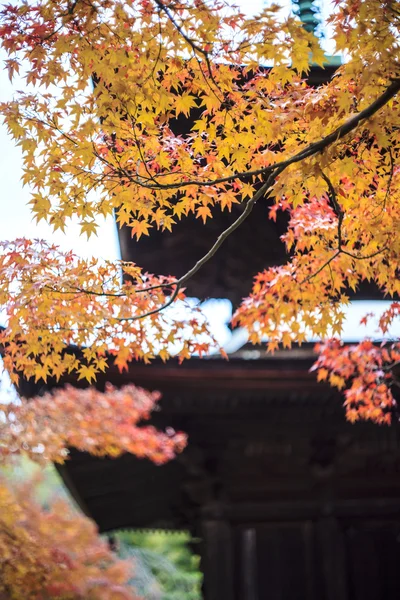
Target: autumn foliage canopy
{"points": [[106, 79]]}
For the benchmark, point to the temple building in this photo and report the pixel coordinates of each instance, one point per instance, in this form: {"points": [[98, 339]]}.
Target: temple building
{"points": [[287, 499]]}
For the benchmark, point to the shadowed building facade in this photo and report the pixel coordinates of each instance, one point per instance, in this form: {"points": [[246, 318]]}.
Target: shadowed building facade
{"points": [[287, 499]]}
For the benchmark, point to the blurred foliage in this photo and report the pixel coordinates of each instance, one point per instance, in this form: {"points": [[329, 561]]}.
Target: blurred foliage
{"points": [[165, 568], [49, 483]]}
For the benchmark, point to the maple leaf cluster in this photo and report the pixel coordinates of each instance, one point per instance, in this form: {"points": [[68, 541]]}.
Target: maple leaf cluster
{"points": [[53, 299], [368, 370], [333, 251], [89, 152], [57, 553], [101, 423], [54, 553], [328, 155]]}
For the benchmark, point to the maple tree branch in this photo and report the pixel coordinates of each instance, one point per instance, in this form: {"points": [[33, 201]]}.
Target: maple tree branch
{"points": [[360, 257], [340, 215], [138, 145], [272, 171], [79, 290], [391, 172], [179, 29], [350, 125], [389, 183], [335, 255], [321, 268], [199, 264], [220, 240], [218, 243], [225, 234], [160, 46], [311, 150], [156, 310], [391, 366], [222, 237], [336, 206], [332, 195]]}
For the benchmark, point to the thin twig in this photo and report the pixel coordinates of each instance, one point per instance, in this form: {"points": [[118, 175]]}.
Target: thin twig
{"points": [[195, 47], [154, 311], [389, 183], [321, 268], [336, 206], [360, 257]]}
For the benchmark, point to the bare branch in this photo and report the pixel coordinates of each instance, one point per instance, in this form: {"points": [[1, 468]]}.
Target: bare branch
{"points": [[321, 268], [225, 234], [156, 310]]}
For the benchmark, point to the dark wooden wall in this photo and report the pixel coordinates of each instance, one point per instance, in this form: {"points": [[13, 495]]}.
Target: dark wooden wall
{"points": [[289, 500], [321, 558]]}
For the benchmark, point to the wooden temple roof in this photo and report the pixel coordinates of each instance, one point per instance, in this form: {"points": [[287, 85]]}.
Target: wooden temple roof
{"points": [[129, 492], [259, 428]]}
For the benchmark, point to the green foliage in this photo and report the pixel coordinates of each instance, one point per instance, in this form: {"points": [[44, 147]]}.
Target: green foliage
{"points": [[166, 568]]}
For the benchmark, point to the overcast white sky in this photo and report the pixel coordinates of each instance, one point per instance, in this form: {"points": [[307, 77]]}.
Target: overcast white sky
{"points": [[16, 221]]}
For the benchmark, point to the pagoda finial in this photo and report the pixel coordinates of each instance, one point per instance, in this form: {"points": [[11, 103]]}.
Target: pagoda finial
{"points": [[307, 13], [310, 16]]}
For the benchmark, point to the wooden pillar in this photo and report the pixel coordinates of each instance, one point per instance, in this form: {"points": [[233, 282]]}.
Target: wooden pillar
{"points": [[217, 559], [249, 564], [331, 550]]}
